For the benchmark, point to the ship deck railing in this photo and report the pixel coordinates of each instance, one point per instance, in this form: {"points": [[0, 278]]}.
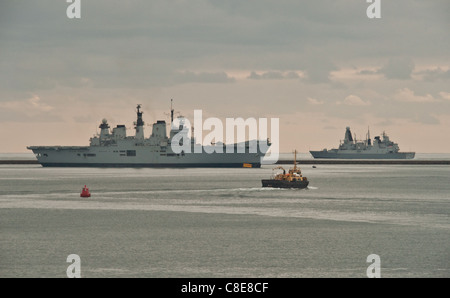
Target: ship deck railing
{"points": [[58, 147]]}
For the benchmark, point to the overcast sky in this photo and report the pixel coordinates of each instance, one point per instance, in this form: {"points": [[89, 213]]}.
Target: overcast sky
{"points": [[318, 66]]}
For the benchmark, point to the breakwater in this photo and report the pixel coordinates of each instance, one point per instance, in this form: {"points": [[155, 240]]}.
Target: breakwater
{"points": [[367, 162], [312, 162]]}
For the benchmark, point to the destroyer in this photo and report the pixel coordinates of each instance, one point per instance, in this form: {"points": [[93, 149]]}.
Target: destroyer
{"points": [[292, 179], [116, 149], [350, 148]]}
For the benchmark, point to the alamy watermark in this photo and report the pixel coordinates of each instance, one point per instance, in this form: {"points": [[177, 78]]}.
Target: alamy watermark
{"points": [[73, 11], [74, 269], [374, 269], [214, 142], [374, 9]]}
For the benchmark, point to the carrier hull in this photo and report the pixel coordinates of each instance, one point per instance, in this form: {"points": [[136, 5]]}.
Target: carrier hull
{"points": [[149, 165], [103, 157]]}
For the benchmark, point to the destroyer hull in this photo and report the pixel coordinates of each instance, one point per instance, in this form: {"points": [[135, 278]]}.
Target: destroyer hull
{"points": [[338, 155]]}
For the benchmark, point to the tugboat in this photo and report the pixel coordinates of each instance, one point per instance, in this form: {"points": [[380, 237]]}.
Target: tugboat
{"points": [[292, 179]]}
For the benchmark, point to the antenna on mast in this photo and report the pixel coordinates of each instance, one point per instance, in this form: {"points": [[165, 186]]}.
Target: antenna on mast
{"points": [[295, 159], [171, 111]]}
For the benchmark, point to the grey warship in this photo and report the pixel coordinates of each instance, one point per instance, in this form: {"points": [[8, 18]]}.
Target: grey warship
{"points": [[116, 149], [350, 148]]}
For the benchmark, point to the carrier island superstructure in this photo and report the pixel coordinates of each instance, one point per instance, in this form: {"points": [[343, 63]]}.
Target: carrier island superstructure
{"points": [[116, 149], [350, 148]]}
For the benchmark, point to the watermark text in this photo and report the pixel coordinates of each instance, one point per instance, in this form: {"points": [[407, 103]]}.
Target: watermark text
{"points": [[74, 9], [236, 132], [374, 269], [74, 269], [374, 9]]}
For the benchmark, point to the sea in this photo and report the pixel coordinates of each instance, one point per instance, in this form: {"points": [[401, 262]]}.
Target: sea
{"points": [[220, 223]]}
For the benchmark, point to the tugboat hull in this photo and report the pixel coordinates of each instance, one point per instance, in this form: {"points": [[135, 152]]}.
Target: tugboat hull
{"points": [[284, 184]]}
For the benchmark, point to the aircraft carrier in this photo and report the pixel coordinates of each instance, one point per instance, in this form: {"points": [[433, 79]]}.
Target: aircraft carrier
{"points": [[116, 149], [350, 148]]}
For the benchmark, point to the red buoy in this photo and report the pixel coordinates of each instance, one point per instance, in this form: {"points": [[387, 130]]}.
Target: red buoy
{"points": [[85, 192]]}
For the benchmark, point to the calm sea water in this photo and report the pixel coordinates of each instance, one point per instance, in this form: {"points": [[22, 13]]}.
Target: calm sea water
{"points": [[222, 223]]}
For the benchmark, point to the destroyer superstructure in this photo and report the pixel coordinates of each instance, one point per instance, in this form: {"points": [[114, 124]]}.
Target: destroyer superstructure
{"points": [[350, 148], [116, 149]]}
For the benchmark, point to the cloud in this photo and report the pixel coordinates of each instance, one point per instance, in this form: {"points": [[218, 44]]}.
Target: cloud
{"points": [[445, 95], [317, 67], [314, 101], [353, 100], [32, 104], [368, 72], [385, 123], [426, 119], [143, 51], [273, 75], [407, 95], [433, 75], [31, 109], [36, 103], [145, 42], [398, 68], [202, 77]]}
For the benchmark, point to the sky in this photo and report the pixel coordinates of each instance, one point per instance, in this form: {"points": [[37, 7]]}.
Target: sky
{"points": [[319, 66]]}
